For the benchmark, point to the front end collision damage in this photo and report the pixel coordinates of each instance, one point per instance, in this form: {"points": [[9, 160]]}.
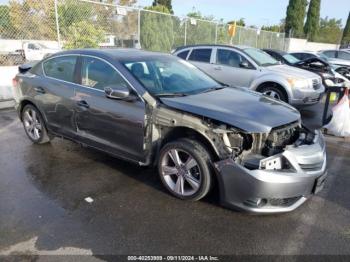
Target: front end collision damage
{"points": [[257, 172]]}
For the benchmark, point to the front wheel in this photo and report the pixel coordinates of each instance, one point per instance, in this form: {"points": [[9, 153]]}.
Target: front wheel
{"points": [[275, 93], [34, 125], [184, 169]]}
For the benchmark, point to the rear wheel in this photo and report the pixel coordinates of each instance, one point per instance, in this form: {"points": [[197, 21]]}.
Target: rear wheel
{"points": [[34, 125], [184, 169], [274, 92]]}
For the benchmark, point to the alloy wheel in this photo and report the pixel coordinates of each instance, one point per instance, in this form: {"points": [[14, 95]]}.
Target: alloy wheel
{"points": [[32, 124], [181, 172], [273, 94]]}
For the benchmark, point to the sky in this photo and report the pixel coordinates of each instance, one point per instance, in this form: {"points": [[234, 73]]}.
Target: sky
{"points": [[255, 12]]}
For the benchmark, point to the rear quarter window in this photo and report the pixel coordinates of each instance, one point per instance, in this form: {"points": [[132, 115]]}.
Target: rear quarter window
{"points": [[183, 54], [200, 55]]}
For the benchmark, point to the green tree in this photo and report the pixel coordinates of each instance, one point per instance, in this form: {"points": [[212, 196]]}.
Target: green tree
{"points": [[346, 33], [271, 28], [126, 2], [157, 30], [72, 12], [312, 24], [32, 19], [296, 11], [6, 28], [330, 31], [239, 22], [83, 34], [166, 3]]}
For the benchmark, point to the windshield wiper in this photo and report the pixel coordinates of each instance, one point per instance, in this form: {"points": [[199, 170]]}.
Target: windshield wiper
{"points": [[171, 94], [270, 64], [212, 89]]}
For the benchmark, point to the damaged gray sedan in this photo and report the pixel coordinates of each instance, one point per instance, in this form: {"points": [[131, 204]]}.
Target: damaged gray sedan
{"points": [[156, 109]]}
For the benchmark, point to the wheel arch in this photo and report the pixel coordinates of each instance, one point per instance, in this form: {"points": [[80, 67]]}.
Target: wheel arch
{"points": [[260, 87], [25, 102], [187, 132]]}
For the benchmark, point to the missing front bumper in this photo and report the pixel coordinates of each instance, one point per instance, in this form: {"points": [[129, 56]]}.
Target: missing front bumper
{"points": [[274, 191]]}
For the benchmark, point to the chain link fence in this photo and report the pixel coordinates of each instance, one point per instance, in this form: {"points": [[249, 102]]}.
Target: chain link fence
{"points": [[32, 29]]}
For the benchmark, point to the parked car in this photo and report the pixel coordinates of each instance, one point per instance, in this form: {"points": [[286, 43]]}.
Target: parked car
{"points": [[315, 64], [33, 51], [340, 66], [30, 51], [250, 67], [338, 57], [156, 109]]}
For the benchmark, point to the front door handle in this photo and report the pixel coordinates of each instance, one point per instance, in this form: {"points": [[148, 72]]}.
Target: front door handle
{"points": [[39, 90], [83, 103]]}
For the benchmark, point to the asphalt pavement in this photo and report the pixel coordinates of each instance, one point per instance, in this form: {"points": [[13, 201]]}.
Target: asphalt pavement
{"points": [[43, 210]]}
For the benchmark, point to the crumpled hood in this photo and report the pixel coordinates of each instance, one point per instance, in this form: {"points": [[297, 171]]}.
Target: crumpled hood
{"points": [[291, 71], [243, 109]]}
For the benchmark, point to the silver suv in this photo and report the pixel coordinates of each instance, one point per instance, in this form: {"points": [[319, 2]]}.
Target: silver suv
{"points": [[242, 66]]}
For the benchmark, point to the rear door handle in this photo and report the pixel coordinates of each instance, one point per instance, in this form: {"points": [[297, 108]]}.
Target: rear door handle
{"points": [[39, 90], [83, 103]]}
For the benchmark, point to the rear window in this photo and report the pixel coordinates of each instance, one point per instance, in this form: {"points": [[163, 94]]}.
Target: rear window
{"points": [[344, 55], [183, 54], [200, 55], [61, 68]]}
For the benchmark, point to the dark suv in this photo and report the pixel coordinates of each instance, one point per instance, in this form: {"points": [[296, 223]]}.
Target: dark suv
{"points": [[156, 109]]}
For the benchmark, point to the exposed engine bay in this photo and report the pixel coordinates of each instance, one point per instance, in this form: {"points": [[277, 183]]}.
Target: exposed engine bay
{"points": [[246, 149], [251, 149]]}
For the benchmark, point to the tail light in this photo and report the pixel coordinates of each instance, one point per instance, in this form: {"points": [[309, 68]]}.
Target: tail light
{"points": [[14, 82]]}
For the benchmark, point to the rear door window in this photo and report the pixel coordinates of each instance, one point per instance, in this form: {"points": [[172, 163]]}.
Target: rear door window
{"points": [[330, 54], [61, 68], [201, 55]]}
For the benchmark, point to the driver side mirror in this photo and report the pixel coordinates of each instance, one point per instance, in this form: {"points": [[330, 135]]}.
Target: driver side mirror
{"points": [[244, 64], [117, 92]]}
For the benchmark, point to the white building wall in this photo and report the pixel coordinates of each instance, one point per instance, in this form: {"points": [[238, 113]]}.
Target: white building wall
{"points": [[7, 73], [295, 44]]}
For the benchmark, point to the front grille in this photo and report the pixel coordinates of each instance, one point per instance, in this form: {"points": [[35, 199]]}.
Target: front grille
{"points": [[316, 84]]}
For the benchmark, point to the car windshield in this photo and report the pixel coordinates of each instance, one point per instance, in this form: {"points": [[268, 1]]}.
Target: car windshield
{"points": [[291, 59], [260, 57], [324, 57], [167, 76]]}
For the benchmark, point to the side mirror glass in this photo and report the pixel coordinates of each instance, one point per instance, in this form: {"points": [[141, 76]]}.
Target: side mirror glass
{"points": [[117, 92]]}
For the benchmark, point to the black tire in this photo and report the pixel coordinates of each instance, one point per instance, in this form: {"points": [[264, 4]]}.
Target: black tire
{"points": [[200, 155], [277, 90], [43, 135]]}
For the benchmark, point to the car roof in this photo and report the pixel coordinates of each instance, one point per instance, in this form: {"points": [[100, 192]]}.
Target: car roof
{"points": [[275, 51], [304, 52], [237, 47], [114, 53]]}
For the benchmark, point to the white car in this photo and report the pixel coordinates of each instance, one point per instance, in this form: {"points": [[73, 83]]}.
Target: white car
{"points": [[242, 66], [337, 57], [37, 51]]}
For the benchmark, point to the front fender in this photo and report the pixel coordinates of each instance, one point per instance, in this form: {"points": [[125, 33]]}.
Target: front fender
{"points": [[272, 78]]}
